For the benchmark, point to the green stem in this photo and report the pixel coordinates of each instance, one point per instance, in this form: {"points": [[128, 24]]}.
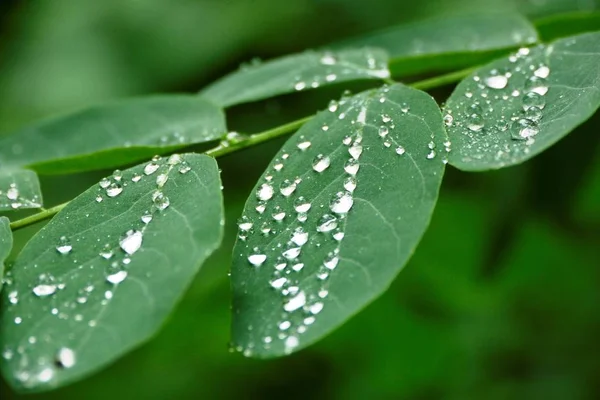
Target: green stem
{"points": [[35, 218], [255, 139]]}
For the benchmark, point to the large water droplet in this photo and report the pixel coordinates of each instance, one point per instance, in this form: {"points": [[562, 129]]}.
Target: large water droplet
{"points": [[523, 129], [117, 277], [300, 237], [150, 168], [296, 302], [131, 242], [264, 192], [533, 99], [43, 290], [355, 151], [292, 254], [537, 85], [475, 122], [351, 167], [257, 258], [301, 205], [496, 81], [160, 200], [321, 163], [327, 223], [114, 189], [65, 357], [341, 202]]}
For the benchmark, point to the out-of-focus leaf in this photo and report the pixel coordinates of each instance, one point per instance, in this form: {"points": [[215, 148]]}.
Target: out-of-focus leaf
{"points": [[298, 72], [19, 189], [113, 134], [448, 42], [6, 242], [335, 217], [103, 275], [514, 108], [562, 25]]}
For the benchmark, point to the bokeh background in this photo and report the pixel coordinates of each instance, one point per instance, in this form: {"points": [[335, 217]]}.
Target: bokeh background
{"points": [[501, 299]]}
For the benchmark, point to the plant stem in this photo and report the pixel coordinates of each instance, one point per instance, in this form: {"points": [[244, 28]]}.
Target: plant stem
{"points": [[35, 218], [224, 149]]}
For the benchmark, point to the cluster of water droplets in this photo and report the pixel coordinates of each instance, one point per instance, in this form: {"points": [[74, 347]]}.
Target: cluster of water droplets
{"points": [[12, 197], [504, 102], [301, 228], [74, 302], [328, 67]]}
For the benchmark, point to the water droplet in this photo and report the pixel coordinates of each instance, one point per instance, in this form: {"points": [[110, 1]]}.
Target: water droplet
{"points": [[523, 129], [386, 118], [400, 150], [534, 114], [328, 59], [431, 155], [496, 81], [161, 180], [341, 202], [404, 107], [104, 183], [303, 145], [117, 175], [43, 290], [355, 151], [146, 218], [316, 308], [244, 223], [64, 246], [131, 242], [150, 168], [296, 302], [537, 85], [475, 122], [136, 178], [114, 189], [542, 72], [291, 342], [300, 85], [184, 168], [533, 99], [117, 277], [333, 106], [278, 214], [160, 200], [65, 357], [264, 192], [278, 283], [300, 237], [106, 252], [292, 254], [99, 199], [321, 163], [285, 325], [383, 131], [287, 187], [301, 205], [351, 167], [257, 258]]}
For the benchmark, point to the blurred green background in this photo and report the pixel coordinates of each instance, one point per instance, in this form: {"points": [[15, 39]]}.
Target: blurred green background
{"points": [[500, 301]]}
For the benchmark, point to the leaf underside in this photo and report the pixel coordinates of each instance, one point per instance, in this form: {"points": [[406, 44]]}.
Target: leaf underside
{"points": [[113, 134], [103, 275], [514, 108], [335, 217], [297, 72]]}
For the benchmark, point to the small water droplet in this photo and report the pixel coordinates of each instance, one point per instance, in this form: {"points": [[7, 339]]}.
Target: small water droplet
{"points": [[64, 245], [533, 99], [475, 122], [300, 237], [278, 283], [278, 214], [316, 308], [523, 129], [136, 178], [328, 59], [537, 85], [104, 183], [331, 261], [400, 150], [146, 217], [43, 290], [304, 144], [327, 223], [184, 168], [383, 131], [350, 183], [404, 107], [293, 253], [355, 151], [161, 180], [244, 223], [106, 252], [542, 72]]}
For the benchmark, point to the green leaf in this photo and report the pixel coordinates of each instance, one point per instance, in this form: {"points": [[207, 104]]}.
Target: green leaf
{"points": [[561, 25], [113, 134], [104, 274], [297, 72], [19, 189], [335, 217], [496, 121], [6, 243], [448, 42]]}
